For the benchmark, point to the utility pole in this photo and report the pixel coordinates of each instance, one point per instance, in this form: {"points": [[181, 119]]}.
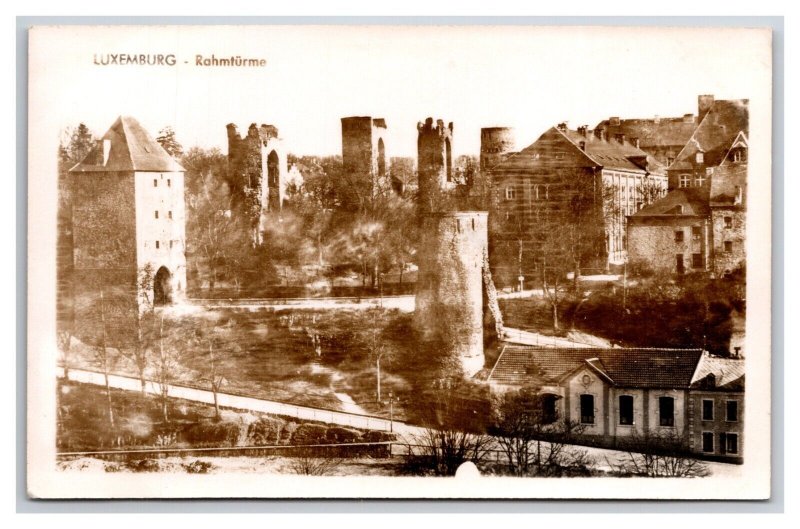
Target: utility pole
{"points": [[391, 411]]}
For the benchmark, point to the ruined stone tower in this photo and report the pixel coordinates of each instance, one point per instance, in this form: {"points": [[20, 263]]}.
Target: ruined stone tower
{"points": [[450, 256], [128, 225], [364, 158], [497, 143], [435, 166], [257, 172]]}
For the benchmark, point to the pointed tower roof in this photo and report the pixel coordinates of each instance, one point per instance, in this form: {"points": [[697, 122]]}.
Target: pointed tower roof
{"points": [[129, 148]]}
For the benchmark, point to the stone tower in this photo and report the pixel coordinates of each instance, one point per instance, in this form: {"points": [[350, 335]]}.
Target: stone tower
{"points": [[128, 224], [435, 166], [450, 256], [257, 171], [496, 144], [364, 158]]}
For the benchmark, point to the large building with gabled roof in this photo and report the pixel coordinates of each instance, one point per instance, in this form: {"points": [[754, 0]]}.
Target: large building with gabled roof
{"points": [[128, 222], [579, 178]]}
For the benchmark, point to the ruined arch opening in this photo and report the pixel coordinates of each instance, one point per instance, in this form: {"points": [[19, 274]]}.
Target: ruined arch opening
{"points": [[381, 158], [273, 181], [448, 159], [162, 287]]}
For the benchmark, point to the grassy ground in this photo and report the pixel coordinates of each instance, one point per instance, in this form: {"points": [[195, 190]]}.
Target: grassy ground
{"points": [[276, 355]]}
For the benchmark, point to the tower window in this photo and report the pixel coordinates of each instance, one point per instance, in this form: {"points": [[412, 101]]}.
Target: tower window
{"points": [[158, 245], [156, 213], [729, 222], [169, 214], [728, 246], [155, 182], [169, 182]]}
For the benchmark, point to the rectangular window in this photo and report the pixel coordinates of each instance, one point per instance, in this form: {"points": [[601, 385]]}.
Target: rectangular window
{"points": [[587, 409], [729, 222], [696, 233], [170, 244], [708, 410], [666, 411], [511, 193], [679, 267], [158, 244], [678, 235], [728, 443], [626, 409], [699, 157], [156, 213], [169, 182], [699, 181], [684, 180], [732, 411], [697, 260], [708, 442], [728, 246], [559, 156], [155, 182], [169, 214]]}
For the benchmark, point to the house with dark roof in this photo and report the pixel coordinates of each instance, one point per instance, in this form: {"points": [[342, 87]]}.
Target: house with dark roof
{"points": [[727, 203], [615, 393], [661, 137], [579, 178], [128, 222]]}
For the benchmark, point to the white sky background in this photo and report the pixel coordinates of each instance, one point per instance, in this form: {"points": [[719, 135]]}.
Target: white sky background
{"points": [[529, 78]]}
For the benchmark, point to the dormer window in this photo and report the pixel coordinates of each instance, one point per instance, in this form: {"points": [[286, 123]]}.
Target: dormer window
{"points": [[739, 155], [511, 193], [699, 180], [698, 157]]}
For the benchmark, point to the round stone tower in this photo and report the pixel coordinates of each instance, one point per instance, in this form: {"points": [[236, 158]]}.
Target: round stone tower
{"points": [[449, 301], [496, 144]]}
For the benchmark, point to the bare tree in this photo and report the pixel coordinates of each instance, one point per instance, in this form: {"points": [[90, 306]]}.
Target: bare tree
{"points": [[103, 356], [165, 368], [659, 454]]}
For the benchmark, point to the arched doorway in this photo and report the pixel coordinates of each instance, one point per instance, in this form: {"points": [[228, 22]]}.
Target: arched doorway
{"points": [[273, 181], [381, 158], [162, 287]]}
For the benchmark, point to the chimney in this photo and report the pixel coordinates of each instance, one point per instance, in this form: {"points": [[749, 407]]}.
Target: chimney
{"points": [[106, 151], [619, 137], [704, 104], [583, 130], [614, 121], [582, 145], [688, 118], [635, 141], [562, 126], [599, 133]]}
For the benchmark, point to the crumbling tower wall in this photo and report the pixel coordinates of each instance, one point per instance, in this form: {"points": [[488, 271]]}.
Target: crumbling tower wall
{"points": [[497, 143], [450, 256], [257, 173], [364, 159]]}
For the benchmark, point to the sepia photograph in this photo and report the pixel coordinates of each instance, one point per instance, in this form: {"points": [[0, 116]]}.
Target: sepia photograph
{"points": [[399, 261]]}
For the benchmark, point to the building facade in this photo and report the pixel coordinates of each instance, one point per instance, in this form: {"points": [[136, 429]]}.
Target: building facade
{"points": [[128, 222], [578, 179], [619, 395]]}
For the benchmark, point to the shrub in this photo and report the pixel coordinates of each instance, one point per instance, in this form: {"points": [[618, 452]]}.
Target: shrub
{"points": [[309, 434], [287, 436], [213, 434], [265, 431], [337, 434], [143, 465], [198, 467], [377, 436]]}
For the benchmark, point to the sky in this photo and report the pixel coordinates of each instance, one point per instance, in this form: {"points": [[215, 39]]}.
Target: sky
{"points": [[525, 77]]}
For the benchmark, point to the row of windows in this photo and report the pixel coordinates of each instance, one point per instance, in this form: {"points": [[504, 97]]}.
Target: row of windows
{"points": [[169, 214], [697, 233], [540, 192], [666, 410], [171, 244], [728, 443], [731, 410], [685, 180], [155, 182]]}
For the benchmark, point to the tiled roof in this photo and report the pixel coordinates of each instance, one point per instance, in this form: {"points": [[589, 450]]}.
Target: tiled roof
{"points": [[717, 131], [132, 149], [724, 181], [520, 365], [693, 201], [611, 153], [728, 372], [656, 132]]}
